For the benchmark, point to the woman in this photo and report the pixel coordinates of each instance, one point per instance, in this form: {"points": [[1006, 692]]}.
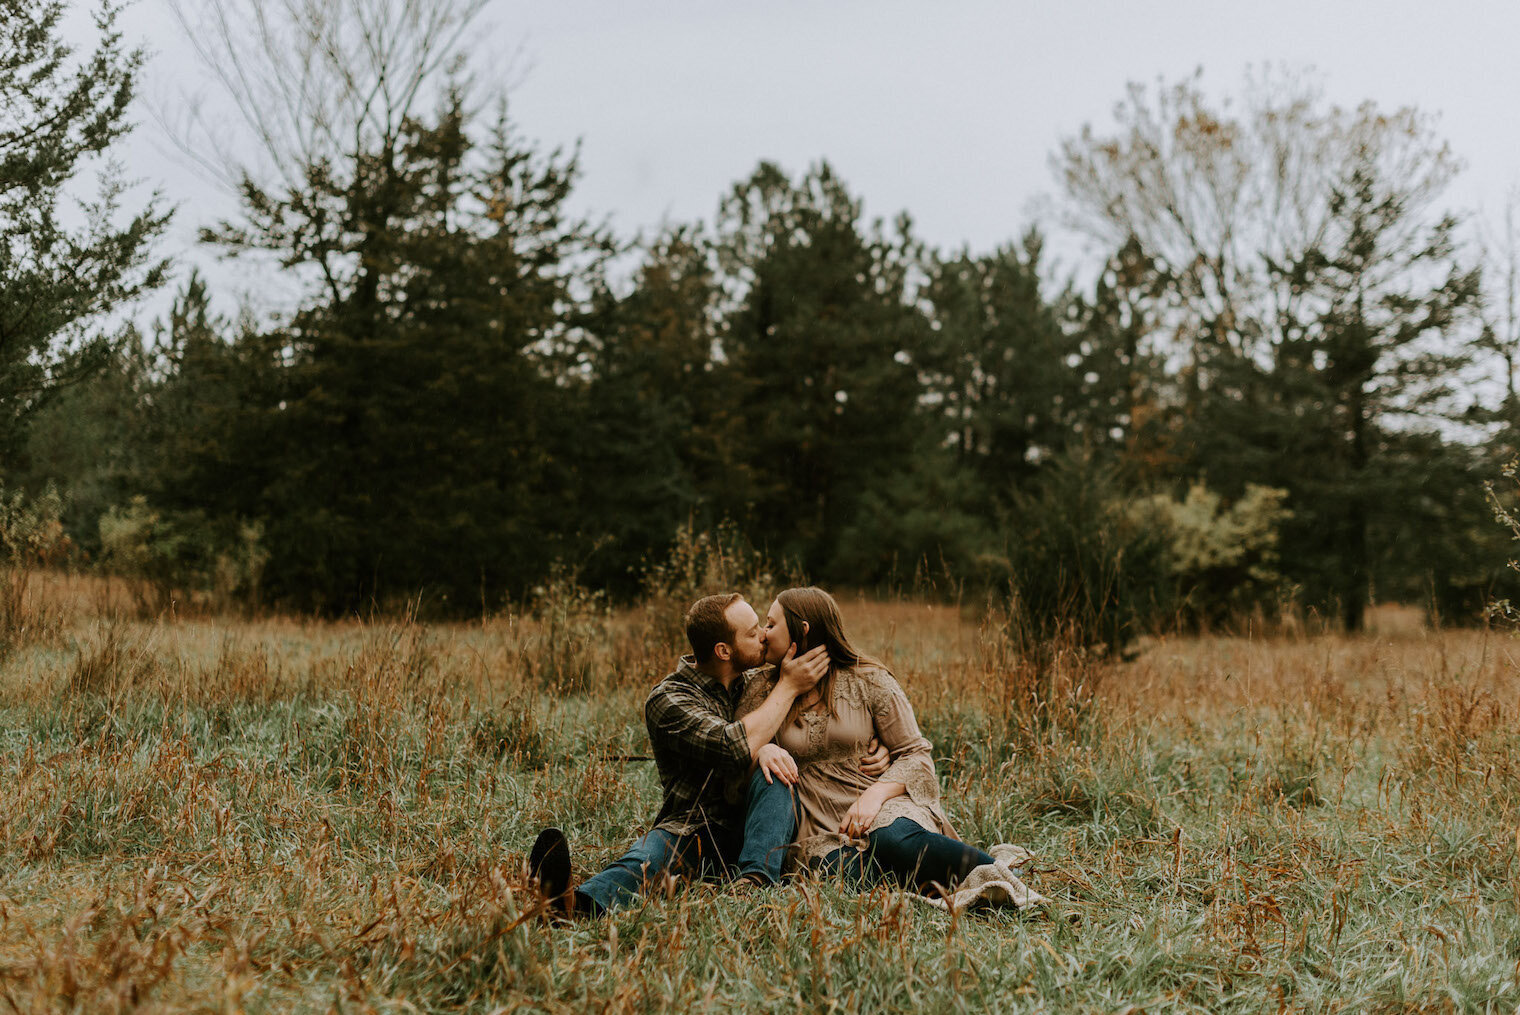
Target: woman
{"points": [[867, 828]]}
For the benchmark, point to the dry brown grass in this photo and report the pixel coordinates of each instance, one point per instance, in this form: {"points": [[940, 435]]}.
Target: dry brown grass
{"points": [[276, 814]]}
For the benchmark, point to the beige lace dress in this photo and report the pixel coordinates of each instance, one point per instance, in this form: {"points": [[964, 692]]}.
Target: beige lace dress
{"points": [[867, 702]]}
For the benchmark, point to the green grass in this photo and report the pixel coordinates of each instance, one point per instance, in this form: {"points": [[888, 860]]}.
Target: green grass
{"points": [[278, 815]]}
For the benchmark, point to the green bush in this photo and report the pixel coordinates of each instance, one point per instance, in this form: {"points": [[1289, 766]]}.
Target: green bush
{"points": [[1224, 559], [1081, 568], [31, 529], [184, 551]]}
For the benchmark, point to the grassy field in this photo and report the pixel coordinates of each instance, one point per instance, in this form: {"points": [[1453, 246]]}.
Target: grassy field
{"points": [[219, 814]]}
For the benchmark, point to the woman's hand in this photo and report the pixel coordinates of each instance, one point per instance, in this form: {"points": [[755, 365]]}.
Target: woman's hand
{"points": [[857, 820], [875, 760], [776, 762]]}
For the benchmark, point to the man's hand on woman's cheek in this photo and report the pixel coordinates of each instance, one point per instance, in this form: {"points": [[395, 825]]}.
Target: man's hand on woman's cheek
{"points": [[802, 673]]}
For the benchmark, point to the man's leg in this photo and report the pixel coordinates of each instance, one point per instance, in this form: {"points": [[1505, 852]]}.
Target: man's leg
{"points": [[626, 877], [917, 858], [770, 825]]}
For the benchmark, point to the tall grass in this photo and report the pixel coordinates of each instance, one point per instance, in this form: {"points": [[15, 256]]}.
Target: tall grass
{"points": [[276, 814]]}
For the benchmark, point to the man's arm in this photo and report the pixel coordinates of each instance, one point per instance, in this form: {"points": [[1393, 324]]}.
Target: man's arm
{"points": [[798, 675], [684, 722]]}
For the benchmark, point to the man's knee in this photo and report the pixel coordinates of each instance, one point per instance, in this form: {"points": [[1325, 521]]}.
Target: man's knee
{"points": [[760, 789], [653, 853]]}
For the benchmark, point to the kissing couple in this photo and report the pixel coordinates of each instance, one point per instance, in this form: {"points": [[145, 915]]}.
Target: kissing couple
{"points": [[780, 748]]}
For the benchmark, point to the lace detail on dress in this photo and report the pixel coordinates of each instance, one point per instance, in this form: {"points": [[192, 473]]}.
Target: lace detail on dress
{"points": [[918, 775], [758, 683], [815, 723], [853, 687], [878, 689]]}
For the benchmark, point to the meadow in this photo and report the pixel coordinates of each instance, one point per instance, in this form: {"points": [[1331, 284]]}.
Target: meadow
{"points": [[206, 812]]}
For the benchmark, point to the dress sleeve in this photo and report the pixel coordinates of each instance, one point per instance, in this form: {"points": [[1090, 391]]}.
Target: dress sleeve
{"points": [[912, 757]]}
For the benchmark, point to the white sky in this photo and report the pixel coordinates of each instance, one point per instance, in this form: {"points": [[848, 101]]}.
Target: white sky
{"points": [[947, 109]]}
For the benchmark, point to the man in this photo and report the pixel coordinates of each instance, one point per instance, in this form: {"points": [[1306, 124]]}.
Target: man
{"points": [[708, 821]]}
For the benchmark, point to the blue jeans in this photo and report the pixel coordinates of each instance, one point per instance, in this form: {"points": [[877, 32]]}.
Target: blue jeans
{"points": [[770, 824], [906, 853]]}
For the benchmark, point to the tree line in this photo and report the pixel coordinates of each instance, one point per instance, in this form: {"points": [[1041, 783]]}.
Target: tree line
{"points": [[1265, 392]]}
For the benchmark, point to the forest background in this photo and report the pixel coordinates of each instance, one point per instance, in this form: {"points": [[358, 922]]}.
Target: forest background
{"points": [[309, 623], [1284, 391]]}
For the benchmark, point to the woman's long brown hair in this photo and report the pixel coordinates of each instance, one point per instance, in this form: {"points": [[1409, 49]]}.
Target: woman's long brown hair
{"points": [[815, 608]]}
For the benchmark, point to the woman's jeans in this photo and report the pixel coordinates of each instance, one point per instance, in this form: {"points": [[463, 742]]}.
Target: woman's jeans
{"points": [[906, 853], [770, 824]]}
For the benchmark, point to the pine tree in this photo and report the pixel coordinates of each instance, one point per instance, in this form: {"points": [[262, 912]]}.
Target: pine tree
{"points": [[1015, 381], [644, 436], [411, 434], [818, 351], [57, 116]]}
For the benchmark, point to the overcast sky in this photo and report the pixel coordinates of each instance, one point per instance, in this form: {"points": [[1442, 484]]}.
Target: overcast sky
{"points": [[947, 109]]}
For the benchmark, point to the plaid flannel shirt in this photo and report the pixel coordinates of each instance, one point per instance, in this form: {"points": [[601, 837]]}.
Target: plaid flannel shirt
{"points": [[701, 751]]}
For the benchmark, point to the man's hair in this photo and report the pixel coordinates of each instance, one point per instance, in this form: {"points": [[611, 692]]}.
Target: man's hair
{"points": [[707, 623]]}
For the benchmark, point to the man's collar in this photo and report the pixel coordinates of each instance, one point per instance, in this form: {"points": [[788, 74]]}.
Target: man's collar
{"points": [[687, 668]]}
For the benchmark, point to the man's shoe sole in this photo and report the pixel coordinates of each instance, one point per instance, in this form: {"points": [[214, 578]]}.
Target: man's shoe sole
{"points": [[549, 863]]}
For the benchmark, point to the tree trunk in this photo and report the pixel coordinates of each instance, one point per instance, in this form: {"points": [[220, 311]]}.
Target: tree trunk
{"points": [[1354, 589]]}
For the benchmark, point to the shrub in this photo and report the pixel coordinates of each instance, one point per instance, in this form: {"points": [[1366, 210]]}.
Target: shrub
{"points": [[1509, 517], [31, 529], [1049, 674], [1081, 568], [31, 536], [703, 563], [569, 649], [114, 662], [1223, 558], [186, 551], [511, 733], [918, 527]]}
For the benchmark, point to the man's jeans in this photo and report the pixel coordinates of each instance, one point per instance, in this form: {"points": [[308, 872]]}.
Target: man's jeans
{"points": [[906, 853], [769, 827]]}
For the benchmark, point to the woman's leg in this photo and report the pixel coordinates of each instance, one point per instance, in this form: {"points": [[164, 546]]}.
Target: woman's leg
{"points": [[916, 858], [856, 868]]}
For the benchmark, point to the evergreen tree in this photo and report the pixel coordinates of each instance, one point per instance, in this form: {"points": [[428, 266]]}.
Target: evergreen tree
{"points": [[1128, 397], [411, 444], [57, 114], [86, 441], [1018, 377], [644, 437], [1323, 419], [196, 448], [818, 372]]}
